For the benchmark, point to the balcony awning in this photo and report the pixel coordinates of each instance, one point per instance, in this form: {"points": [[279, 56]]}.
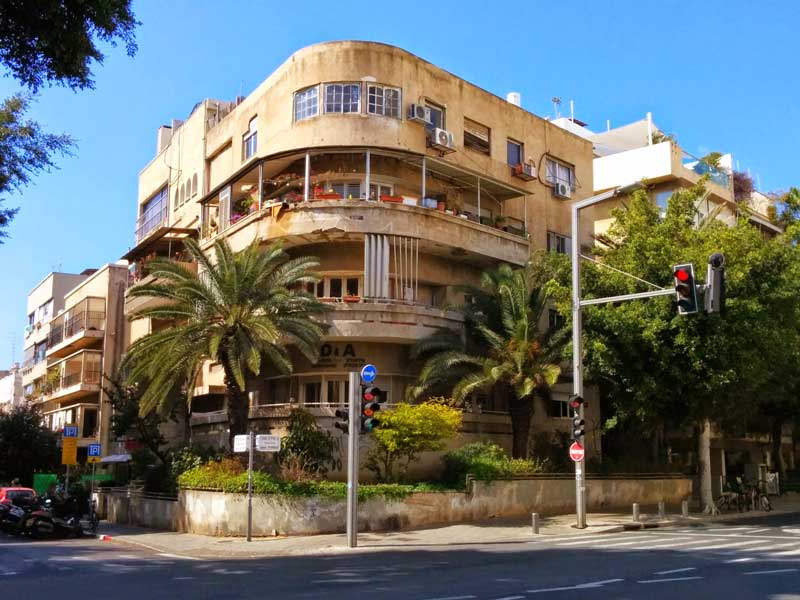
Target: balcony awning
{"points": [[115, 458], [160, 239]]}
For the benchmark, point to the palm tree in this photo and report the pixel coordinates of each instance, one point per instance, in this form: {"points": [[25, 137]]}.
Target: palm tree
{"points": [[505, 349], [242, 309]]}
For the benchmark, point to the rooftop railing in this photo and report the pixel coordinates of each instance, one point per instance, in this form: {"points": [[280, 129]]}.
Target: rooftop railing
{"points": [[699, 166]]}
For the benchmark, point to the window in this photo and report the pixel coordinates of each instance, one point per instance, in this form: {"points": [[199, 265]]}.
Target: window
{"points": [[476, 137], [176, 204], [32, 318], [183, 194], [39, 352], [335, 290], [342, 97], [514, 153], [558, 172], [558, 243], [350, 189], [352, 286], [317, 289], [312, 391], [250, 139], [559, 409], [437, 116], [194, 185], [337, 391], [383, 101], [662, 199], [89, 423], [45, 312], [306, 103], [554, 319], [276, 392], [153, 213], [376, 190]]}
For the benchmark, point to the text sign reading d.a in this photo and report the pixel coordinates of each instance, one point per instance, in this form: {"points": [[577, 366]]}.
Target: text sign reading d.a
{"points": [[368, 373], [268, 443], [576, 452], [240, 443], [70, 431]]}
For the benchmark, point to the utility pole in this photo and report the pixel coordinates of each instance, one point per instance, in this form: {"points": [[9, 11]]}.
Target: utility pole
{"points": [[354, 382]]}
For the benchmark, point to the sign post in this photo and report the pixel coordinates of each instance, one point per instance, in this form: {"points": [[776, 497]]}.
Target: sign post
{"points": [[250, 487], [69, 450], [352, 460], [93, 454], [576, 452]]}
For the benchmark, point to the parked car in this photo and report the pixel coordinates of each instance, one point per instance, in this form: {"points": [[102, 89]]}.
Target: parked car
{"points": [[15, 495]]}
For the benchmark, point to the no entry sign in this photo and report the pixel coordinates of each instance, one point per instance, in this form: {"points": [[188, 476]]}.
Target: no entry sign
{"points": [[576, 452]]}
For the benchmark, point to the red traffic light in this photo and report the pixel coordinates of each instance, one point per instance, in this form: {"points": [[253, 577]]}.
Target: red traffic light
{"points": [[575, 402], [682, 275]]}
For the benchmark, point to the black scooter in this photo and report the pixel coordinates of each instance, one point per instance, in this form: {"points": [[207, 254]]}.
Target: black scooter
{"points": [[54, 520], [13, 516]]}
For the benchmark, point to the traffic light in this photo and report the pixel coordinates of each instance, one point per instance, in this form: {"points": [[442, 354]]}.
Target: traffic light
{"points": [[685, 289], [715, 284], [344, 423], [370, 404], [578, 424]]}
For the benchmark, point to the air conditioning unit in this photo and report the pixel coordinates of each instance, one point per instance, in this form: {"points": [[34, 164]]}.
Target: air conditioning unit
{"points": [[525, 171], [419, 113], [28, 330], [562, 190], [441, 139]]}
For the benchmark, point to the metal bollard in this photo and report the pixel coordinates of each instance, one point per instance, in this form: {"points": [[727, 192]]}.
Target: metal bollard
{"points": [[535, 523], [636, 512], [662, 513], [685, 509]]}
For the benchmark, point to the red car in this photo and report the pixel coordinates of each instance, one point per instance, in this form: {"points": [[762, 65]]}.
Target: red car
{"points": [[10, 494]]}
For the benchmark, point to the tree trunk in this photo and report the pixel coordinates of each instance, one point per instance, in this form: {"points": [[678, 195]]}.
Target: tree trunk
{"points": [[704, 468], [521, 411], [238, 407], [777, 439]]}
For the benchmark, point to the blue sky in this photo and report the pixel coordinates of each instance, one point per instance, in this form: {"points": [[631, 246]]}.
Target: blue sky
{"points": [[721, 75]]}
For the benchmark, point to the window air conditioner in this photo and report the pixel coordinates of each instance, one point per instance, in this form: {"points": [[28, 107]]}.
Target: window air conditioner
{"points": [[419, 113], [562, 190], [441, 139]]}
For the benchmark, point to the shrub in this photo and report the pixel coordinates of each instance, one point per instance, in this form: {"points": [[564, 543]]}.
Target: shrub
{"points": [[307, 448], [407, 430], [486, 462]]}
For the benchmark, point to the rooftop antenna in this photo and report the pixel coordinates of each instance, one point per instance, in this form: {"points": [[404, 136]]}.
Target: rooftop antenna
{"points": [[556, 104], [572, 110], [608, 124], [758, 181]]}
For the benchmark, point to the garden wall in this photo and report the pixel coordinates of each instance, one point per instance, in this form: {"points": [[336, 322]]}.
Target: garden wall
{"points": [[216, 513]]}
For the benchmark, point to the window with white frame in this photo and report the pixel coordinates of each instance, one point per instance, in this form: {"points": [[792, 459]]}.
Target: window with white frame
{"points": [[437, 116], [336, 286], [382, 100], [347, 189], [376, 190], [558, 172], [559, 409], [250, 139], [662, 200], [306, 103], [342, 98], [556, 242]]}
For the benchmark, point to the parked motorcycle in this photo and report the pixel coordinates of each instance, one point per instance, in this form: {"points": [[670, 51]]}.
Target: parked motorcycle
{"points": [[54, 519], [14, 515]]}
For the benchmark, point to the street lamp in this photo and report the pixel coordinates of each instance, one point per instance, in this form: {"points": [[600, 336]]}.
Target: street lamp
{"points": [[577, 358]]}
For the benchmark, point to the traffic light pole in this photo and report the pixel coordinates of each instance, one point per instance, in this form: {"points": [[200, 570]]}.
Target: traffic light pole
{"points": [[354, 380]]}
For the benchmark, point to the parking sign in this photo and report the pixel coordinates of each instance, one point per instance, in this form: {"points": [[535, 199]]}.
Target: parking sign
{"points": [[70, 431]]}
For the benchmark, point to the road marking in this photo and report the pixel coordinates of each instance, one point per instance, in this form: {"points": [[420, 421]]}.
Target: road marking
{"points": [[177, 556], [676, 545], [183, 578], [770, 547], [592, 541], [580, 586], [669, 579], [728, 528], [739, 560], [617, 544], [726, 545], [510, 598], [787, 530], [452, 598], [785, 553], [671, 571], [759, 530], [776, 571], [10, 573], [568, 538]]}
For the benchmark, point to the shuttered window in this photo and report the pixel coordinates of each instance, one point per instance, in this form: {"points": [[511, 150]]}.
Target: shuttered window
{"points": [[476, 137]]}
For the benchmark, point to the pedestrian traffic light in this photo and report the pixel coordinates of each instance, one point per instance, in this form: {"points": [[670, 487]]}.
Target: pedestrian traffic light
{"points": [[576, 402], [344, 423], [370, 404], [578, 427], [685, 289], [715, 284]]}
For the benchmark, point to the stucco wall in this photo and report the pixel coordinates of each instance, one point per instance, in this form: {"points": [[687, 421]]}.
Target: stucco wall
{"points": [[213, 513]]}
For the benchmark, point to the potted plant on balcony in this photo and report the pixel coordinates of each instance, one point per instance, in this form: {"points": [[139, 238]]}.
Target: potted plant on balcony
{"points": [[395, 199], [352, 298], [498, 221]]}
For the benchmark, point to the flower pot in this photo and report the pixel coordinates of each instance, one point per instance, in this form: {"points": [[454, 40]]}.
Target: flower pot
{"points": [[396, 199], [327, 196], [352, 298]]}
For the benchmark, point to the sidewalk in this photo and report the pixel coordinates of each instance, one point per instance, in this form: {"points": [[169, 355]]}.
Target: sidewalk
{"points": [[495, 531]]}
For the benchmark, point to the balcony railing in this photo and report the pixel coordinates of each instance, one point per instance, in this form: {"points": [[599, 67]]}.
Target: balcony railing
{"points": [[716, 174], [154, 215], [88, 377], [73, 323]]}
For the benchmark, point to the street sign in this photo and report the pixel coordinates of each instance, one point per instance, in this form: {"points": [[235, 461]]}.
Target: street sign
{"points": [[69, 451], [268, 443], [240, 443], [93, 453], [70, 431], [576, 452], [368, 373]]}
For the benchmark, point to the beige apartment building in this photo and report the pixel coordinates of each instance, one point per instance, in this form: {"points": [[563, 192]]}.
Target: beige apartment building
{"points": [[83, 337], [403, 179]]}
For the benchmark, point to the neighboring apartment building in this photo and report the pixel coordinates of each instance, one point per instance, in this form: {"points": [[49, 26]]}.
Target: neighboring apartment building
{"points": [[405, 180], [85, 340], [11, 388]]}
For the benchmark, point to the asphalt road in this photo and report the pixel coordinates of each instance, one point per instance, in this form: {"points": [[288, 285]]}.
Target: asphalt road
{"points": [[759, 558]]}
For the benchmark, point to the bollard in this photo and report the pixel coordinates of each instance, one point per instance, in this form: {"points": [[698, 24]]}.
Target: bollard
{"points": [[685, 509], [636, 512], [535, 523], [661, 511]]}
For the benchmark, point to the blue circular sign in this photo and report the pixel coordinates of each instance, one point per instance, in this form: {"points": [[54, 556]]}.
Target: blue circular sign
{"points": [[368, 373]]}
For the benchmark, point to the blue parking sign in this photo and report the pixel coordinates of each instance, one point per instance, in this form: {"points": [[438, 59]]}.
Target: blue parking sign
{"points": [[70, 431], [94, 450]]}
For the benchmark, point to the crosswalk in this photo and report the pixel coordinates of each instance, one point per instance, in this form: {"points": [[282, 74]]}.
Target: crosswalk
{"points": [[741, 544]]}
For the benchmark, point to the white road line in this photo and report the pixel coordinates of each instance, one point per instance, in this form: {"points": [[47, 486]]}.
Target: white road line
{"points": [[616, 538], [739, 560], [726, 545], [580, 586], [769, 572], [452, 598], [759, 530], [510, 598], [728, 528], [617, 544], [177, 556], [677, 545], [669, 579], [784, 553], [567, 538], [671, 571], [770, 547]]}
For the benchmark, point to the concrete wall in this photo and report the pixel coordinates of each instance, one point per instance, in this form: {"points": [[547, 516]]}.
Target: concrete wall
{"points": [[214, 513]]}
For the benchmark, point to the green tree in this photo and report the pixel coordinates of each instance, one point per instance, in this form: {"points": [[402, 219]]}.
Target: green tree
{"points": [[656, 366], [309, 448], [506, 349], [241, 309], [126, 420], [407, 430], [26, 446]]}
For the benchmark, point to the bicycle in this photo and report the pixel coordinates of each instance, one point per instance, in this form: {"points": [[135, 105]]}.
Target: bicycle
{"points": [[755, 497], [94, 521]]}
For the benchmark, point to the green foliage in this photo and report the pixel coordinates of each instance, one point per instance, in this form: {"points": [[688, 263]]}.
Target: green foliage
{"points": [[52, 41], [186, 458], [312, 448], [229, 476], [486, 462], [407, 430], [26, 446], [126, 420], [246, 309]]}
